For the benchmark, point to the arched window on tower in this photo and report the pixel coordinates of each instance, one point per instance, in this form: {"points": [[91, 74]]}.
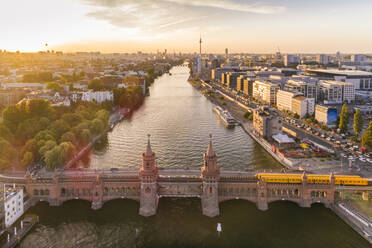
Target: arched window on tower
{"points": [[210, 190], [147, 165]]}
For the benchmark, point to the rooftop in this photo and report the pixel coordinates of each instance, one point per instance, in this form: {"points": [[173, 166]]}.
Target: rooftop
{"points": [[282, 138], [331, 82], [342, 72], [300, 98]]}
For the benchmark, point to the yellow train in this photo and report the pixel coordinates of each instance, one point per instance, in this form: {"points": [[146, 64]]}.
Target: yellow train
{"points": [[312, 178]]}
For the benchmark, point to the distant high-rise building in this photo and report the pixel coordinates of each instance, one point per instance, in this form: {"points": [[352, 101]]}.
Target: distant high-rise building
{"points": [[291, 59], [226, 53], [358, 58], [323, 59]]}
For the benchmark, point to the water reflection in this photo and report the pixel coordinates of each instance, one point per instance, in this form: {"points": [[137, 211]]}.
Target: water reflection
{"points": [[179, 120], [179, 223]]}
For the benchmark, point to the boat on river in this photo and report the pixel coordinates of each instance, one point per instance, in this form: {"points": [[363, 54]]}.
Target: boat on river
{"points": [[225, 116]]}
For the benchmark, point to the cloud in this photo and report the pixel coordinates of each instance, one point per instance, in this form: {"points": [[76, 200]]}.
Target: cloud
{"points": [[168, 15], [232, 5]]}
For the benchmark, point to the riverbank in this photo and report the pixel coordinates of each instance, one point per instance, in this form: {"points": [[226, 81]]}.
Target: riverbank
{"points": [[238, 110], [354, 220], [233, 107], [15, 233]]}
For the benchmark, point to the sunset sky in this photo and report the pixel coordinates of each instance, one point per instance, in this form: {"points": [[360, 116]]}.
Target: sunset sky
{"points": [[147, 25]]}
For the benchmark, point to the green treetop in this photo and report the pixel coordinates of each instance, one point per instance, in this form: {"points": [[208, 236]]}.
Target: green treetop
{"points": [[343, 119], [358, 122]]}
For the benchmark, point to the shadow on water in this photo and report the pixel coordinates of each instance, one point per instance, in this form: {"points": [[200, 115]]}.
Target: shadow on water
{"points": [[180, 223]]}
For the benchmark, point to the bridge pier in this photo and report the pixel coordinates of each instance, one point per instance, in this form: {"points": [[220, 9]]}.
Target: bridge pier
{"points": [[262, 205], [97, 205], [149, 199], [209, 200], [54, 202], [305, 203], [365, 196]]}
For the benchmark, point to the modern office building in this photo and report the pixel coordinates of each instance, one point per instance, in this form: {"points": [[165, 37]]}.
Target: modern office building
{"points": [[291, 59], [266, 124], [284, 99], [265, 91], [358, 58], [333, 92], [308, 88], [361, 80], [302, 106], [325, 115], [323, 59]]}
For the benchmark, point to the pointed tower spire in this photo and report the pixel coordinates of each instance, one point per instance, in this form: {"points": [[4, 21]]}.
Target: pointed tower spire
{"points": [[148, 148], [210, 151]]}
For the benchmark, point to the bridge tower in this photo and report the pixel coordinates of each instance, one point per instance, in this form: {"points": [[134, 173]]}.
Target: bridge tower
{"points": [[262, 195], [210, 174], [305, 193], [148, 175]]}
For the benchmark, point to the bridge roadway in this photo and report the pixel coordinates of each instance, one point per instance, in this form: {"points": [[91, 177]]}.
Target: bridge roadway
{"points": [[100, 186]]}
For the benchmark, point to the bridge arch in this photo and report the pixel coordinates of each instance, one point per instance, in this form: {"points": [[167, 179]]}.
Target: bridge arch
{"points": [[296, 201], [120, 199], [233, 198]]}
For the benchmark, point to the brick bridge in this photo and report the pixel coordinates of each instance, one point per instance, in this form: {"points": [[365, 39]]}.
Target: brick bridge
{"points": [[151, 183]]}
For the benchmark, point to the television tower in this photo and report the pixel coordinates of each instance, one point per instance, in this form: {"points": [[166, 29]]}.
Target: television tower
{"points": [[200, 46]]}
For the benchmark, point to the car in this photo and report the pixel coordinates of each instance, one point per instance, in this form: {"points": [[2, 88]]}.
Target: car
{"points": [[343, 155], [328, 138], [369, 160], [363, 160]]}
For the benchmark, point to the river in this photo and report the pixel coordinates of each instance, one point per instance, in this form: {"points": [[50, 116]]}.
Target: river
{"points": [[180, 120]]}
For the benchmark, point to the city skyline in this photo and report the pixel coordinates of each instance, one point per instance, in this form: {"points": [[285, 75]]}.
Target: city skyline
{"points": [[148, 26]]}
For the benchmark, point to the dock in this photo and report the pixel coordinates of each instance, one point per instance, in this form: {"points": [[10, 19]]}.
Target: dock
{"points": [[15, 233]]}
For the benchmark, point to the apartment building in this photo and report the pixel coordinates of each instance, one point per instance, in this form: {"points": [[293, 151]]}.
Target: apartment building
{"points": [[302, 105], [266, 124], [336, 92], [265, 91], [284, 99]]}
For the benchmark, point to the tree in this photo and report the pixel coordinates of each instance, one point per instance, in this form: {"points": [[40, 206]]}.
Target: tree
{"points": [[72, 119], [324, 127], [28, 158], [7, 154], [68, 151], [54, 158], [30, 146], [367, 136], [96, 84], [344, 119], [5, 133], [59, 127], [54, 86], [85, 136], [358, 122], [12, 116], [68, 137], [48, 145], [39, 108], [96, 126]]}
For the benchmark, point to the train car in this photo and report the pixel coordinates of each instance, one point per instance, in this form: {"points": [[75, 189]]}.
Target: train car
{"points": [[280, 178], [350, 180], [313, 179], [318, 179]]}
